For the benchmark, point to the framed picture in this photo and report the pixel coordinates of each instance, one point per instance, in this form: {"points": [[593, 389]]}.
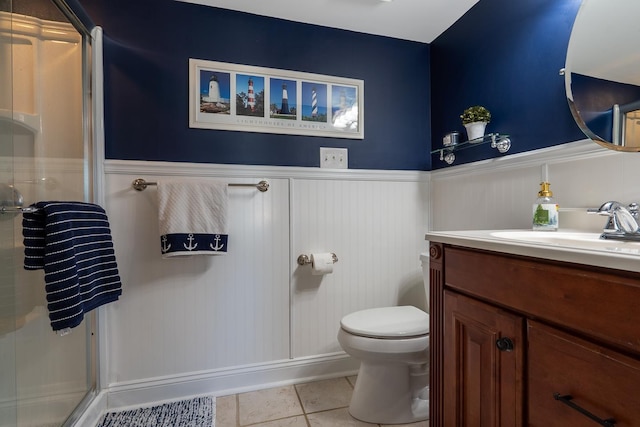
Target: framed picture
{"points": [[257, 99]]}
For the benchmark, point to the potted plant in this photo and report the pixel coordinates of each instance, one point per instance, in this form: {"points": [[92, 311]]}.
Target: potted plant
{"points": [[475, 120]]}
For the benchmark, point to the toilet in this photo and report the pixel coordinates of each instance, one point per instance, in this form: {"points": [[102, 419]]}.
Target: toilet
{"points": [[392, 345]]}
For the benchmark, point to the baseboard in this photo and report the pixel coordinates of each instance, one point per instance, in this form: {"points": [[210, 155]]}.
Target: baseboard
{"points": [[222, 382]]}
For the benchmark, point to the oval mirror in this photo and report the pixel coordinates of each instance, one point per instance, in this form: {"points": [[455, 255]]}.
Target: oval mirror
{"points": [[602, 72]]}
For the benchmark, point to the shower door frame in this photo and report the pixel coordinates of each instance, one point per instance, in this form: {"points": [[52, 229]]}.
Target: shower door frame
{"points": [[93, 132]]}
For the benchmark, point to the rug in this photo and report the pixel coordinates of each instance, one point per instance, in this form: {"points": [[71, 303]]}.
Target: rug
{"points": [[196, 412]]}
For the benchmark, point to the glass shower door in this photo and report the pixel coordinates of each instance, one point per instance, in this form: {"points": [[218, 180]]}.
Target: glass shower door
{"points": [[8, 315], [43, 156]]}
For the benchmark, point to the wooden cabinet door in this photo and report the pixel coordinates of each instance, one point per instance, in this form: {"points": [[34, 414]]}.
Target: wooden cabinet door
{"points": [[482, 384], [574, 382]]}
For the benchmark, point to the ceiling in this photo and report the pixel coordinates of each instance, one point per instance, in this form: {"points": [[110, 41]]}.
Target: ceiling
{"points": [[415, 20]]}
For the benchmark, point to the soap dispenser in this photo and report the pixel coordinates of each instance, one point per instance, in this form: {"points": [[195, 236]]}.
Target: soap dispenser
{"points": [[545, 210]]}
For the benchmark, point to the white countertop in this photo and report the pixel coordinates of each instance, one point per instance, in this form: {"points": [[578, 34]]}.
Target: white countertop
{"points": [[615, 254]]}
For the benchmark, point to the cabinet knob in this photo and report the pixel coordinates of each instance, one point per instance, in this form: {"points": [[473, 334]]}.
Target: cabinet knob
{"points": [[504, 344]]}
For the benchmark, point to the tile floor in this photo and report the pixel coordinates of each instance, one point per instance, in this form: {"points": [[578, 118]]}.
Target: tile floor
{"points": [[315, 404]]}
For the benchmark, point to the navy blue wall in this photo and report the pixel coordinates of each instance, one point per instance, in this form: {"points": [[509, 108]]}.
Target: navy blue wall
{"points": [[146, 52], [505, 55], [502, 54]]}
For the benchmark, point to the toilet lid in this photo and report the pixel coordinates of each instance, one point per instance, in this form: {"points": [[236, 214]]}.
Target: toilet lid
{"points": [[387, 322]]}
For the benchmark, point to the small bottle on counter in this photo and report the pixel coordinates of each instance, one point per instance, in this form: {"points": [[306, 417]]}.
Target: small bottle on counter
{"points": [[545, 210]]}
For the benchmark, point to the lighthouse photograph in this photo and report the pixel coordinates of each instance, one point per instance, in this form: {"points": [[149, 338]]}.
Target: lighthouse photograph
{"points": [[249, 95], [283, 95], [344, 107], [314, 102], [215, 92]]}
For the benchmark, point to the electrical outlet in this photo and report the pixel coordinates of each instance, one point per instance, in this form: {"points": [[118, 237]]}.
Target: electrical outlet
{"points": [[334, 158]]}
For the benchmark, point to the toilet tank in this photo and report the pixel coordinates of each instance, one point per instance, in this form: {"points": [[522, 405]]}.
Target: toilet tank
{"points": [[424, 258]]}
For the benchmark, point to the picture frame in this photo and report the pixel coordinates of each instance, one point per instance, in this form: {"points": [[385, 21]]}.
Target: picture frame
{"points": [[245, 98]]}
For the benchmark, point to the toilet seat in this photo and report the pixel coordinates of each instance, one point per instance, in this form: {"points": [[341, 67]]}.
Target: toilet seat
{"points": [[387, 322]]}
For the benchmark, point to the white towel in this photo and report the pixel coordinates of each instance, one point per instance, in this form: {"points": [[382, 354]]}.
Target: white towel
{"points": [[192, 218]]}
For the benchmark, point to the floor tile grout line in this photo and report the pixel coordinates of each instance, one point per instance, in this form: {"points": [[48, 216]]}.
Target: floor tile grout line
{"points": [[237, 409], [326, 410], [304, 411], [273, 420], [349, 382]]}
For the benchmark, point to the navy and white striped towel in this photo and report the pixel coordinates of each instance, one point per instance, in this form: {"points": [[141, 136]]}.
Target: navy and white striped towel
{"points": [[192, 217], [72, 242]]}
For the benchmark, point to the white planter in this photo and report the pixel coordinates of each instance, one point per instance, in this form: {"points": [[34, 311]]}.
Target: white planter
{"points": [[475, 130]]}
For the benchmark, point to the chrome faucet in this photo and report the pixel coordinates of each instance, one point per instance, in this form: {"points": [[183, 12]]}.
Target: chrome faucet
{"points": [[622, 222]]}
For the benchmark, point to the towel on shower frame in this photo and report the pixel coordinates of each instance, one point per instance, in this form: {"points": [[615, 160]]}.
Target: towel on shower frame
{"points": [[72, 242], [192, 217]]}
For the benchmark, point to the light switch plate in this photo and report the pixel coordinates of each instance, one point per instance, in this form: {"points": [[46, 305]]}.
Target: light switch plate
{"points": [[334, 158]]}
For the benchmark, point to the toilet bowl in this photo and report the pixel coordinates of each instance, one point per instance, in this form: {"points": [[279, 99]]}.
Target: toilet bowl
{"points": [[392, 345]]}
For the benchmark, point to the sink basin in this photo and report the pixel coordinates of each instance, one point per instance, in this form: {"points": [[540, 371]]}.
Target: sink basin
{"points": [[549, 236], [570, 239]]}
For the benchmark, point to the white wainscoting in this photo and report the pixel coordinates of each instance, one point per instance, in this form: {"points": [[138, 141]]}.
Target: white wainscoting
{"points": [[254, 318], [375, 229], [499, 193]]}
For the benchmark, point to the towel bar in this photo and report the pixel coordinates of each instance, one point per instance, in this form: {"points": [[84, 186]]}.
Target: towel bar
{"points": [[140, 184], [17, 209]]}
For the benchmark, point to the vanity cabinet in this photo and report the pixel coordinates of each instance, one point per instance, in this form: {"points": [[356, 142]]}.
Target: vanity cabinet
{"points": [[522, 341]]}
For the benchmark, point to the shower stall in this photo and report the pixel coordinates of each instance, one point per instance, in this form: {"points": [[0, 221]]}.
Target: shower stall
{"points": [[45, 154]]}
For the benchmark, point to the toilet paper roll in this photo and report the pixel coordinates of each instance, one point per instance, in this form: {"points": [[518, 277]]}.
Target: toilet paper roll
{"points": [[321, 264]]}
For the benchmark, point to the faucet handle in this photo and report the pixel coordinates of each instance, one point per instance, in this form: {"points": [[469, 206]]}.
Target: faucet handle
{"points": [[633, 209], [624, 220]]}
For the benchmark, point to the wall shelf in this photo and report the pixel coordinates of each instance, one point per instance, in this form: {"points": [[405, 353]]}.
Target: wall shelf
{"points": [[498, 141]]}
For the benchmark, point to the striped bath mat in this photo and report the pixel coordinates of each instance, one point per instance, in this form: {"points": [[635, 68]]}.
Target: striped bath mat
{"points": [[196, 412]]}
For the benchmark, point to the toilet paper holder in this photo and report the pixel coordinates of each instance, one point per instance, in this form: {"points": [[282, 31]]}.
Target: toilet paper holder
{"points": [[304, 259]]}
